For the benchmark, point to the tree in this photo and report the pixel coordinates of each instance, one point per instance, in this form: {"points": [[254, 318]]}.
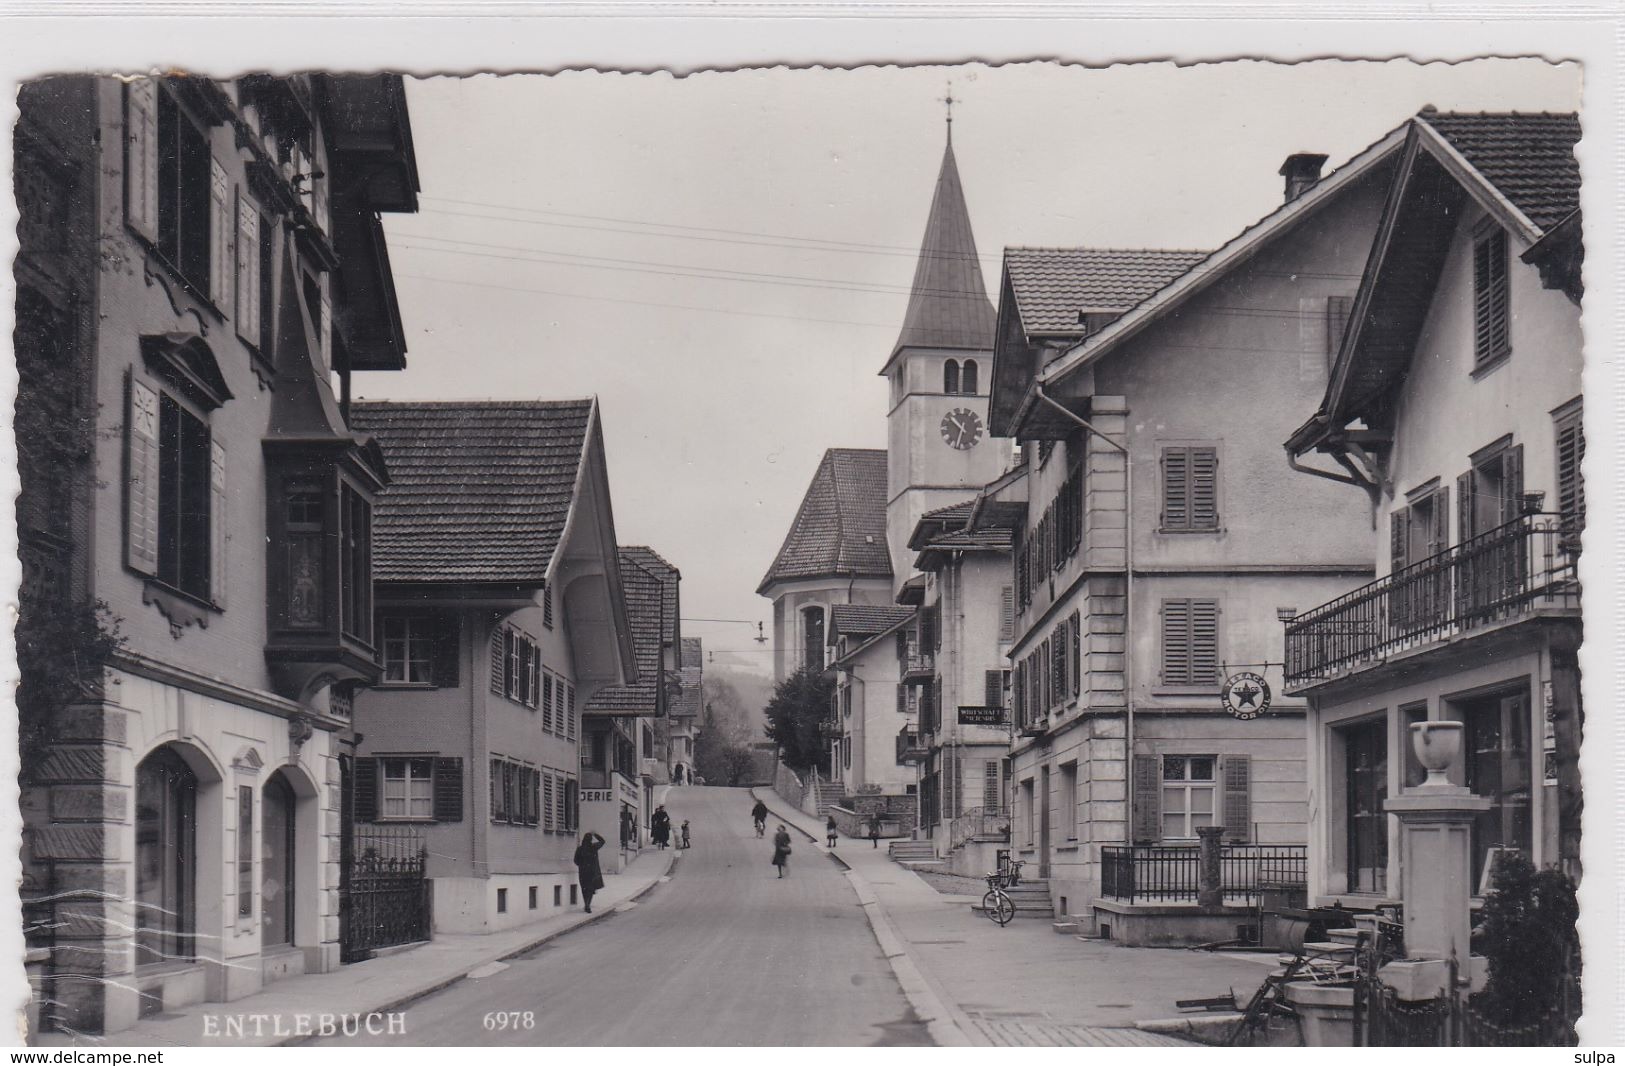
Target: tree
{"points": [[717, 758], [796, 717], [1528, 935]]}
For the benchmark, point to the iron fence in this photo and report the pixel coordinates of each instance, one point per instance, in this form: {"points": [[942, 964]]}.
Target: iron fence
{"points": [[980, 823], [1172, 873], [1526, 564], [387, 892]]}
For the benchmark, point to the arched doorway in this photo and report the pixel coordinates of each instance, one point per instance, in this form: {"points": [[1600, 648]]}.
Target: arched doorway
{"points": [[165, 858], [278, 838]]}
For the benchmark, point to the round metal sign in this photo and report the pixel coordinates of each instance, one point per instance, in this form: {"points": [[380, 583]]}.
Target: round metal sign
{"points": [[1245, 696]]}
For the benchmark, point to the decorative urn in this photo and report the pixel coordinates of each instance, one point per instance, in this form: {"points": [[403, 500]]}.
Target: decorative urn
{"points": [[1437, 745]]}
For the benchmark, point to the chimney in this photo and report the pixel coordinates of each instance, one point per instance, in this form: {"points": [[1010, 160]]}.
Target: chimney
{"points": [[1301, 170]]}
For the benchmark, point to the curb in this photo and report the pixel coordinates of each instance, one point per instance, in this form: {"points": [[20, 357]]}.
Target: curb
{"points": [[440, 985], [941, 1021], [1211, 1029]]}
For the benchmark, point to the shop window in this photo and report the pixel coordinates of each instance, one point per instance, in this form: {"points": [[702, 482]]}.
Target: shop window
{"points": [[1499, 766], [165, 858], [1365, 762]]}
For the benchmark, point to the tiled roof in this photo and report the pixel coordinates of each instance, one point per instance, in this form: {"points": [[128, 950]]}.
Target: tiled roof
{"points": [[840, 528], [1528, 157], [691, 699], [693, 652], [645, 591], [478, 491], [957, 512], [947, 304], [669, 576], [990, 539], [1053, 286], [865, 620]]}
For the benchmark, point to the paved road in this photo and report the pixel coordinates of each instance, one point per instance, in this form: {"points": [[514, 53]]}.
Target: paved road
{"points": [[725, 953]]}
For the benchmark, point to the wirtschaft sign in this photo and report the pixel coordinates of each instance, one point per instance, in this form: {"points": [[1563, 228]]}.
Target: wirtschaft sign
{"points": [[981, 716]]}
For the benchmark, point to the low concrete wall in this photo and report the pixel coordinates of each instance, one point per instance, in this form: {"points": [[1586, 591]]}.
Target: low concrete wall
{"points": [[790, 788], [853, 824], [1174, 925], [977, 858]]}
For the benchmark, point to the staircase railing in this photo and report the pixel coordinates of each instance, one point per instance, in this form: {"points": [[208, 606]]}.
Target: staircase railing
{"points": [[980, 823]]}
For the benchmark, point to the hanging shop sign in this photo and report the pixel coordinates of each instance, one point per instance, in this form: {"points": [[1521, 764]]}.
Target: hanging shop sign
{"points": [[981, 716], [1245, 695]]}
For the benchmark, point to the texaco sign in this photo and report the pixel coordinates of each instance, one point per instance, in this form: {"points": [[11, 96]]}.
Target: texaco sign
{"points": [[1245, 696]]}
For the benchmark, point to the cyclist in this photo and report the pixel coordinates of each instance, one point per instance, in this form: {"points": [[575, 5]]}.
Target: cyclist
{"points": [[758, 814]]}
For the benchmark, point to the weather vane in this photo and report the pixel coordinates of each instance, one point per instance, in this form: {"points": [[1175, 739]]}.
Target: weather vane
{"points": [[949, 101]]}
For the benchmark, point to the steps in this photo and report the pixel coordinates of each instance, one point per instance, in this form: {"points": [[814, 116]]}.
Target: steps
{"points": [[1032, 901], [912, 851], [826, 794]]}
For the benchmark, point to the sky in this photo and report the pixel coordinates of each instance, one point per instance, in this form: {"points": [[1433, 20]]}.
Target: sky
{"points": [[724, 258]]}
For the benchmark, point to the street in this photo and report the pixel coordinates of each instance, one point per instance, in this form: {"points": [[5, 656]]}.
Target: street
{"points": [[725, 953]]}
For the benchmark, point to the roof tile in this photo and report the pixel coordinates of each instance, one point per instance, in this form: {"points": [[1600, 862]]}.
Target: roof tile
{"points": [[840, 528], [1053, 286], [1528, 157]]}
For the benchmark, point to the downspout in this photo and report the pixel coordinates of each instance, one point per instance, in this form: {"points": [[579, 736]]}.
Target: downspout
{"points": [[1128, 607]]}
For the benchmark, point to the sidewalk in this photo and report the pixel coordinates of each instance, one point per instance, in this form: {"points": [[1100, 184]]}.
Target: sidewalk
{"points": [[1024, 984], [377, 985]]}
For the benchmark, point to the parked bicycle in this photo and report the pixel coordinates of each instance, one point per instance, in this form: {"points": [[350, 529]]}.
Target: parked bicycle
{"points": [[997, 904]]}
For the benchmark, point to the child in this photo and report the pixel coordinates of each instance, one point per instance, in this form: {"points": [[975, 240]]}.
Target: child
{"points": [[831, 829]]}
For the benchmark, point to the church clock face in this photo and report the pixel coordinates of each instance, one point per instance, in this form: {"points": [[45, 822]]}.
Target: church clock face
{"points": [[961, 428]]}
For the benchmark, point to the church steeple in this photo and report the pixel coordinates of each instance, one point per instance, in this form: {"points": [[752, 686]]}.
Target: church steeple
{"points": [[948, 306]]}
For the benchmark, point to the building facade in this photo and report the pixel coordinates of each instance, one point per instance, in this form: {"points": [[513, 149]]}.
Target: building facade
{"points": [[1156, 551], [1469, 305], [202, 268], [683, 723], [500, 614], [870, 709]]}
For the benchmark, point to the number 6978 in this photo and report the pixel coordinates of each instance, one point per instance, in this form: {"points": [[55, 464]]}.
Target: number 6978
{"points": [[498, 1020]]}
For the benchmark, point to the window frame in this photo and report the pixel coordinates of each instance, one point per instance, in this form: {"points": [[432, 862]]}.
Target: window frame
{"points": [[174, 199], [1187, 786], [408, 779], [411, 620]]}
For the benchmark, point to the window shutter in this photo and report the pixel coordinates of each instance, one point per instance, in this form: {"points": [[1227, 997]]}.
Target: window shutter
{"points": [[248, 270], [221, 279], [1007, 613], [547, 701], [446, 635], [902, 645], [547, 801], [499, 798], [1490, 296], [993, 688], [1147, 826], [1176, 642], [141, 157], [499, 659], [902, 699], [536, 678], [1399, 524], [1439, 533], [366, 789], [327, 324], [217, 523], [448, 789], [1204, 481], [1571, 452], [1466, 485], [141, 519], [1175, 488], [1077, 654], [570, 800], [570, 711], [1020, 709], [1238, 797], [1511, 482], [558, 793], [1204, 641]]}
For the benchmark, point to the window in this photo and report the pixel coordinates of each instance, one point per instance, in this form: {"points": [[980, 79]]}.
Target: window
{"points": [[516, 666], [1188, 793], [408, 641], [355, 564], [1007, 613], [499, 790], [1028, 812], [1492, 565], [1190, 501], [1418, 533], [950, 377], [1415, 772], [408, 789], [1499, 765], [569, 707], [1190, 642], [245, 851], [184, 197], [1489, 492], [165, 857], [992, 787], [185, 467], [532, 897], [812, 638], [1571, 453], [1365, 755], [502, 901], [1490, 338], [1069, 800], [967, 378]]}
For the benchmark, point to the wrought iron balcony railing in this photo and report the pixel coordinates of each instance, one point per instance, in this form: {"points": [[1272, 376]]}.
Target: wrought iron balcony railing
{"points": [[918, 663], [1527, 564], [911, 747]]}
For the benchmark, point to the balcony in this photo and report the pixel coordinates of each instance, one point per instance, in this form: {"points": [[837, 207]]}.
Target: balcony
{"points": [[1512, 571], [911, 747], [918, 664], [1169, 874]]}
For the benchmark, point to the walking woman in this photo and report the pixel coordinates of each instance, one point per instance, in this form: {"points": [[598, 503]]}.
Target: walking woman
{"points": [[781, 850], [587, 871], [831, 830]]}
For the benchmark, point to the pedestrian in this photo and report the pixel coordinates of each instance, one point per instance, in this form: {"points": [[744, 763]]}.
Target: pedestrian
{"points": [[588, 873], [831, 829], [781, 850], [758, 814], [874, 829], [685, 834], [628, 826], [661, 824]]}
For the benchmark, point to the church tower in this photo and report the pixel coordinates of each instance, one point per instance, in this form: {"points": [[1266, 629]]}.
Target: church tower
{"points": [[938, 449]]}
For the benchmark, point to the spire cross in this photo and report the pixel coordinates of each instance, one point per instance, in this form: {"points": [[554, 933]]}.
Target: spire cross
{"points": [[949, 101]]}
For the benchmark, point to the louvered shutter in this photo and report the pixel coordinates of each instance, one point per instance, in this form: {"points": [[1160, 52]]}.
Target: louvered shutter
{"points": [[570, 711], [1007, 613], [993, 688], [1238, 797], [446, 634], [1176, 642], [1077, 654], [1204, 641], [1490, 296], [1019, 711], [533, 792], [1399, 524], [1511, 483], [366, 789], [498, 659], [248, 270], [141, 500], [1147, 826], [1175, 488], [547, 802], [448, 789], [1466, 489], [217, 523], [1571, 452], [547, 701], [222, 281], [1204, 481], [141, 157], [499, 796], [1438, 533]]}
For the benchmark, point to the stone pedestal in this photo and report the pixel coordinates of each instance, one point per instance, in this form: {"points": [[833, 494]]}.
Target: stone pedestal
{"points": [[1209, 885], [1436, 864]]}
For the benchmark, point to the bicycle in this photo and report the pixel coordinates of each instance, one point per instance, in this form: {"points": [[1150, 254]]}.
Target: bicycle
{"points": [[997, 904]]}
